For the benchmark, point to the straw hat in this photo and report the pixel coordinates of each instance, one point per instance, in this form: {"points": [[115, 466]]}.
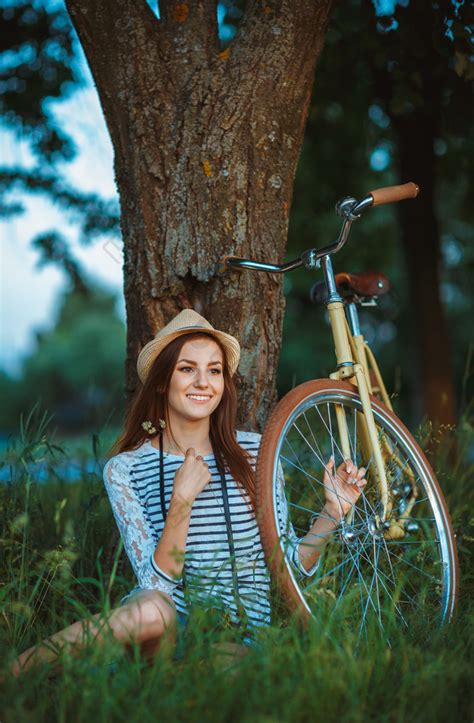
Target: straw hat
{"points": [[187, 321]]}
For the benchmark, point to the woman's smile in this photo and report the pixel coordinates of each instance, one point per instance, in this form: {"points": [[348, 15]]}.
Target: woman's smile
{"points": [[199, 398]]}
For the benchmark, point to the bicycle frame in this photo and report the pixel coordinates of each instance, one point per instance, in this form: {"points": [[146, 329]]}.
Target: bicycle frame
{"points": [[351, 350], [363, 355]]}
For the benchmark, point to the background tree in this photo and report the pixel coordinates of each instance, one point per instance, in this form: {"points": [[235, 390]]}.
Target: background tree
{"points": [[206, 143]]}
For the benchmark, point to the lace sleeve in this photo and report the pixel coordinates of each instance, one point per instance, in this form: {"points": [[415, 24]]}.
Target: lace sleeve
{"points": [[292, 541], [135, 530]]}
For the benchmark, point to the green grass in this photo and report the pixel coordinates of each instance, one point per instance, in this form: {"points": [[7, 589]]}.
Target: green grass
{"points": [[56, 566]]}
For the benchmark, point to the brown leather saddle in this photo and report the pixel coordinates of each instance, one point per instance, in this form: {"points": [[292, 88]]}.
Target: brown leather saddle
{"points": [[363, 286], [365, 283]]}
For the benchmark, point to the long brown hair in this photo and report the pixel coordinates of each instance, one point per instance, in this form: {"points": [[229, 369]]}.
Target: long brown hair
{"points": [[150, 404]]}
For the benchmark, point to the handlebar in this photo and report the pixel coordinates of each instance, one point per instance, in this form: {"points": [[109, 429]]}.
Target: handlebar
{"points": [[350, 210], [391, 194]]}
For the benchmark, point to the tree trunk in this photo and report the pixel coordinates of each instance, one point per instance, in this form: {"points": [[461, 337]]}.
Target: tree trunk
{"points": [[411, 88], [420, 237], [206, 143]]}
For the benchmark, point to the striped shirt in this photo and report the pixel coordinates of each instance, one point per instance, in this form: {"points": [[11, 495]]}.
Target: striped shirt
{"points": [[132, 481]]}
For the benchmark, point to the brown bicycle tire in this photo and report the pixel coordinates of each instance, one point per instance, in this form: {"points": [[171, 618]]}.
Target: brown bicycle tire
{"points": [[275, 558]]}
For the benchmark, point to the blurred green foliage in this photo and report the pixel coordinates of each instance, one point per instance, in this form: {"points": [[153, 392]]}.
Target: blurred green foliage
{"points": [[76, 369]]}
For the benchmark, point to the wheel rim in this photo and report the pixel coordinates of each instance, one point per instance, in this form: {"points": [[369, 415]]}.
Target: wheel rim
{"points": [[362, 560]]}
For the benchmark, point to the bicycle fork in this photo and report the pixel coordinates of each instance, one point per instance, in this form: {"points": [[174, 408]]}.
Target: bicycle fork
{"points": [[348, 369]]}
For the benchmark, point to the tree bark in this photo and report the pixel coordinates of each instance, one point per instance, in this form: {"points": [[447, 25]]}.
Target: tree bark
{"points": [[206, 143]]}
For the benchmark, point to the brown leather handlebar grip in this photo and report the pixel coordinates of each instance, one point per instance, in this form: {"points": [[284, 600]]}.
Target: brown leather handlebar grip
{"points": [[391, 194]]}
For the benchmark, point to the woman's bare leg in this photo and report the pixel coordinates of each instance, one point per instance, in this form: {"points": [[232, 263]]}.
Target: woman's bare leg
{"points": [[148, 618]]}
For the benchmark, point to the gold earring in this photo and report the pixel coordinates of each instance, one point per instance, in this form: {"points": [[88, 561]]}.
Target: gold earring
{"points": [[148, 427]]}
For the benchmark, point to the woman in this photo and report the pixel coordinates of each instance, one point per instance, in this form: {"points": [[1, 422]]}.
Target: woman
{"points": [[181, 486]]}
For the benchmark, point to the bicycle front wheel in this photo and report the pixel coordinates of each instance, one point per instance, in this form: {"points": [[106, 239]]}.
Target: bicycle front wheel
{"points": [[376, 570]]}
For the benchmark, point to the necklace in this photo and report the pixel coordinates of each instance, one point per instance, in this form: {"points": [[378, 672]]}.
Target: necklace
{"points": [[177, 449], [169, 450]]}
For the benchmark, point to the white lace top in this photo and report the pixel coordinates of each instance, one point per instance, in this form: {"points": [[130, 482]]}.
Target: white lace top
{"points": [[132, 481]]}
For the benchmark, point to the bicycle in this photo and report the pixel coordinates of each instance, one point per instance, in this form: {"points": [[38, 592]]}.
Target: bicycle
{"points": [[394, 554]]}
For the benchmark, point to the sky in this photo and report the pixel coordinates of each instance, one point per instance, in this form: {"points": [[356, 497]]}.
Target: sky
{"points": [[29, 296]]}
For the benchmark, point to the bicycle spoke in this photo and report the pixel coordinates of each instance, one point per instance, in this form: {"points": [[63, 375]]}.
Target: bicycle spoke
{"points": [[329, 430], [348, 577], [381, 574], [415, 567], [376, 558], [301, 469], [365, 502], [354, 447], [310, 512], [394, 543], [369, 595], [346, 583], [418, 502], [363, 625], [311, 431], [326, 574]]}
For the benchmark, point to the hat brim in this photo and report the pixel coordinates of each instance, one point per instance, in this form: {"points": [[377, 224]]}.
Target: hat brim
{"points": [[154, 348]]}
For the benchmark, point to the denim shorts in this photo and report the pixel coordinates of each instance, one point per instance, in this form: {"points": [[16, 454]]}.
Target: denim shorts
{"points": [[182, 619], [182, 622]]}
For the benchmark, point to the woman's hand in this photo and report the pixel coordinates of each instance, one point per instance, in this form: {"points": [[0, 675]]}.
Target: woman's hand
{"points": [[343, 488], [191, 478]]}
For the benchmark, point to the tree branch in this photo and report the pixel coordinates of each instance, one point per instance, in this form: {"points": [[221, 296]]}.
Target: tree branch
{"points": [[118, 36], [121, 42], [273, 36], [272, 28]]}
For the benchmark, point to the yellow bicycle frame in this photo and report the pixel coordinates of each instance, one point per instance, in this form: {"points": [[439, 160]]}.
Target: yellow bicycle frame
{"points": [[349, 368]]}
